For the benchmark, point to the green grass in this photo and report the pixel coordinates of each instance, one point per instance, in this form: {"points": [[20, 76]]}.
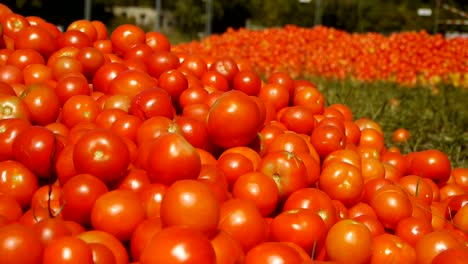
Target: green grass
{"points": [[435, 120]]}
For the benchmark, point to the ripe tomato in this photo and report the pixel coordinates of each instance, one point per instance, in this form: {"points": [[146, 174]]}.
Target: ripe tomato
{"points": [[38, 148], [248, 82], [313, 199], [287, 169], [432, 164], [391, 248], [227, 249], [451, 255], [157, 41], [12, 106], [273, 252], [19, 244], [10, 208], [10, 128], [349, 239], [108, 240], [243, 221], [275, 94], [183, 204], [126, 36], [411, 229], [343, 182], [432, 244], [51, 229], [152, 102], [303, 227], [43, 103], [80, 193], [111, 207], [326, 139], [160, 62], [234, 120], [178, 245], [102, 153], [67, 249], [171, 158], [142, 236], [259, 188], [37, 38], [17, 181], [391, 204], [130, 82], [226, 66], [298, 119], [79, 108]]}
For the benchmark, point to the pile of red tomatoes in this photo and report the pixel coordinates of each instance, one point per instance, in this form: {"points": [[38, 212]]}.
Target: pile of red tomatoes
{"points": [[117, 148], [407, 58]]}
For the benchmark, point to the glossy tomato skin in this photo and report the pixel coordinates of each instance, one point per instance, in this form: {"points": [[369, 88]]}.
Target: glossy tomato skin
{"points": [[38, 148], [68, 249], [43, 103], [10, 128], [349, 239], [191, 203], [432, 164], [13, 107], [273, 252], [19, 245], [287, 169], [234, 120], [102, 153], [18, 181], [190, 247], [172, 158], [152, 102]]}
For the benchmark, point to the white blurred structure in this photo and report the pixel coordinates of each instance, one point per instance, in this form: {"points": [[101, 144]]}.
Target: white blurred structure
{"points": [[145, 16]]}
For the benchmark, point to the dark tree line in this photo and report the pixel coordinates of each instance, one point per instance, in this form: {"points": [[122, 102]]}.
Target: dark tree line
{"points": [[351, 15]]}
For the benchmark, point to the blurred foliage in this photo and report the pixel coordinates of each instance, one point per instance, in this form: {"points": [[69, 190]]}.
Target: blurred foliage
{"points": [[382, 16]]}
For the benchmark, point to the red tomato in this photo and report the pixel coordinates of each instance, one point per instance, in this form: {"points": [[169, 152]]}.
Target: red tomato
{"points": [[102, 153], [10, 128], [51, 229], [38, 148], [326, 139], [234, 120], [259, 188], [115, 245], [432, 244], [43, 103], [160, 62], [10, 208], [183, 203], [157, 41], [13, 107], [152, 102], [391, 248], [130, 82], [342, 182], [432, 164], [113, 206], [287, 169], [178, 245], [19, 245], [349, 239], [451, 255], [17, 181], [303, 227], [313, 199], [391, 204], [273, 252], [172, 158], [126, 36], [142, 236], [243, 221], [37, 38], [227, 249], [80, 193]]}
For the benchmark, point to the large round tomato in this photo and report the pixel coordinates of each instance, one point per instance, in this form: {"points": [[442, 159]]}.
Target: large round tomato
{"points": [[191, 203], [172, 158], [432, 164], [17, 181], [102, 153], [234, 120], [178, 245], [38, 148], [19, 245], [349, 240], [113, 206]]}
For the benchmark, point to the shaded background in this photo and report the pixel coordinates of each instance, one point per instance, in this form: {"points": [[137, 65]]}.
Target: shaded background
{"points": [[187, 18]]}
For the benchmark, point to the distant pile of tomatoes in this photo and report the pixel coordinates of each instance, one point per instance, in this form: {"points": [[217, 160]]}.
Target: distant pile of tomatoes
{"points": [[407, 58], [117, 148]]}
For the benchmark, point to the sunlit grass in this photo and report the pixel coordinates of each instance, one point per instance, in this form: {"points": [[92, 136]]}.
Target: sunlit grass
{"points": [[436, 118]]}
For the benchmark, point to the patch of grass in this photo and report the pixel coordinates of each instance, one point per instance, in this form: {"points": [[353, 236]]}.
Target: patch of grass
{"points": [[437, 118]]}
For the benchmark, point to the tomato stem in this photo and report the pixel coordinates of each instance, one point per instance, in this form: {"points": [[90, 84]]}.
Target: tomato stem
{"points": [[416, 192], [314, 248]]}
